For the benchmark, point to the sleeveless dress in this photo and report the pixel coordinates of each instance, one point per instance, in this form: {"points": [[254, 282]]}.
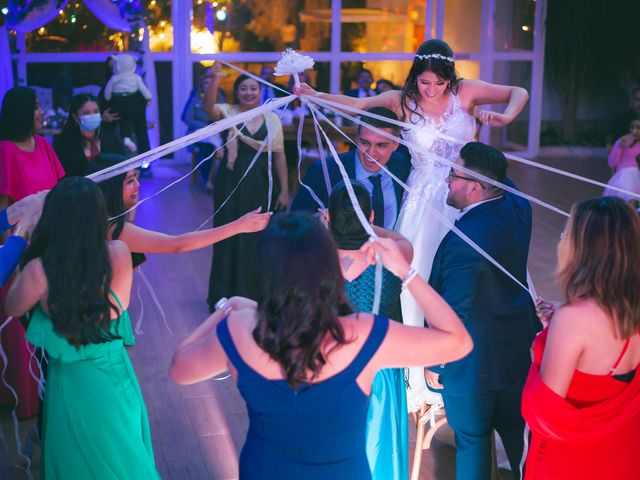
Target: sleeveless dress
{"points": [[95, 420], [589, 435], [430, 161], [387, 422], [315, 432], [234, 258]]}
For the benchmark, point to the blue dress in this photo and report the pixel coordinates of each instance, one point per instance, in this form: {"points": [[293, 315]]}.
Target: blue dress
{"points": [[315, 432], [387, 419]]}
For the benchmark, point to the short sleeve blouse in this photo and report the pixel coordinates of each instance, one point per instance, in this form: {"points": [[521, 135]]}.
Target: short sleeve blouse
{"points": [[23, 173]]}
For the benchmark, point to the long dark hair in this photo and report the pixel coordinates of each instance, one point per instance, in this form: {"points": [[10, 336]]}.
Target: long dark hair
{"points": [[344, 224], [71, 241], [604, 262], [71, 128], [17, 114], [301, 294], [111, 189], [444, 69]]}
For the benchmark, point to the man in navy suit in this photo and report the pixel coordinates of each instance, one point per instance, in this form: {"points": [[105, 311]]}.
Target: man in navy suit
{"points": [[364, 81], [482, 391], [385, 192]]}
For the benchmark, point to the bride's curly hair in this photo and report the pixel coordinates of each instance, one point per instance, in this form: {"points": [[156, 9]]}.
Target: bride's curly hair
{"points": [[438, 64], [301, 295]]}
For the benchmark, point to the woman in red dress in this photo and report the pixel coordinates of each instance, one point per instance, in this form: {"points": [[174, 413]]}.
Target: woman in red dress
{"points": [[28, 165], [582, 398]]}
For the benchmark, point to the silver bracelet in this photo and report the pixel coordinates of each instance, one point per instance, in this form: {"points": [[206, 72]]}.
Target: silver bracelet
{"points": [[411, 274]]}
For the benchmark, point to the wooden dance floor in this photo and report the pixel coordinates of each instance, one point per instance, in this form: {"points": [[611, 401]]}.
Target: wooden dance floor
{"points": [[198, 430]]}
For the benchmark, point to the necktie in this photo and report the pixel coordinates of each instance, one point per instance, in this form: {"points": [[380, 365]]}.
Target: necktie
{"points": [[377, 200]]}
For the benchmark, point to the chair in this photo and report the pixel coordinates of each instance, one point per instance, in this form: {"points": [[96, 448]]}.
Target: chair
{"points": [[427, 426]]}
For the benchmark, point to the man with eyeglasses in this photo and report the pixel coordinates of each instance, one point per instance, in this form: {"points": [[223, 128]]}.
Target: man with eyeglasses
{"points": [[482, 391]]}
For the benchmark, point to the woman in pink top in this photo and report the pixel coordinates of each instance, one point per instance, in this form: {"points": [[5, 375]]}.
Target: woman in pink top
{"points": [[28, 165], [624, 158]]}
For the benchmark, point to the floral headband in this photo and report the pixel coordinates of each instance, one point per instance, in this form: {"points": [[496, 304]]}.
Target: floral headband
{"points": [[435, 55]]}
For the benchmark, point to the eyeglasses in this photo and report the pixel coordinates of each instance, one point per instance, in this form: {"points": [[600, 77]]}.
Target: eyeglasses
{"points": [[453, 175]]}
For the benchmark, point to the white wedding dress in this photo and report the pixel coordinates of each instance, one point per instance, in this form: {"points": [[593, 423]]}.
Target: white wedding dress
{"points": [[431, 156]]}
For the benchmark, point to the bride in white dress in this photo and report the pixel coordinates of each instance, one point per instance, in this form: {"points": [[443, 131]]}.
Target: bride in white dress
{"points": [[435, 102]]}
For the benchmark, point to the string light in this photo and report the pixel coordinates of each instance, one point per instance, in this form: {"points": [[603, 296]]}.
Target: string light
{"points": [[5, 10], [525, 28], [163, 23], [61, 12]]}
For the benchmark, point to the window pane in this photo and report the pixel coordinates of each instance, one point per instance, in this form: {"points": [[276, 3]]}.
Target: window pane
{"points": [[514, 135], [461, 28], [393, 71], [76, 29], [160, 28], [514, 22], [164, 86], [58, 82], [382, 26], [468, 69], [258, 26]]}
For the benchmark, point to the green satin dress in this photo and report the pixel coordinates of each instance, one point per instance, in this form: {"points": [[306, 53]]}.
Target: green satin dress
{"points": [[95, 419]]}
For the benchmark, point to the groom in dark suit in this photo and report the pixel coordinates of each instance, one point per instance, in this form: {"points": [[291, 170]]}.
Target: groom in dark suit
{"points": [[482, 392], [386, 194]]}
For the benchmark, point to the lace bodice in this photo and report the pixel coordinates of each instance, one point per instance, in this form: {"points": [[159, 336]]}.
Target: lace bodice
{"points": [[455, 122], [431, 155]]}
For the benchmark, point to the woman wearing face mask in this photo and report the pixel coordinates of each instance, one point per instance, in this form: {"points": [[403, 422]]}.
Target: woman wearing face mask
{"points": [[82, 139]]}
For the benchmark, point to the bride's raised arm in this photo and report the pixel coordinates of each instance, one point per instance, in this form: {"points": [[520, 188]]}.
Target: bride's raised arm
{"points": [[390, 99], [474, 93]]}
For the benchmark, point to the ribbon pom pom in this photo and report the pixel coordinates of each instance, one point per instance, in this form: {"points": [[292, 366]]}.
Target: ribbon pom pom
{"points": [[292, 63]]}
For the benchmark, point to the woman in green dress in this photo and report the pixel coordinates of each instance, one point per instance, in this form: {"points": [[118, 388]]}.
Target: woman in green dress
{"points": [[78, 285]]}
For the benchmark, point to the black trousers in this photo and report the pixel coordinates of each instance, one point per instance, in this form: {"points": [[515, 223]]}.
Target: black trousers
{"points": [[132, 108]]}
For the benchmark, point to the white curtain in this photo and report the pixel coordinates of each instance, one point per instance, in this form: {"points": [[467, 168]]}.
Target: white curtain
{"points": [[6, 68], [108, 13]]}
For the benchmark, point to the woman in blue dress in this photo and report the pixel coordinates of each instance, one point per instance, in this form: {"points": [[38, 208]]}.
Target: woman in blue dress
{"points": [[387, 419], [303, 361]]}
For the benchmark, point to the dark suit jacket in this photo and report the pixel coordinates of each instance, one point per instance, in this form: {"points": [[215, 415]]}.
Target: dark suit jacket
{"points": [[499, 314], [398, 164]]}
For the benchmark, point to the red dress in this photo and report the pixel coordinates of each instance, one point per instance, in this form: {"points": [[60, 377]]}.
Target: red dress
{"points": [[590, 434], [21, 174]]}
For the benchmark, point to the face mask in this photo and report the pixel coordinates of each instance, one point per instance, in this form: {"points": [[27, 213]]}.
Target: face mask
{"points": [[89, 123]]}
